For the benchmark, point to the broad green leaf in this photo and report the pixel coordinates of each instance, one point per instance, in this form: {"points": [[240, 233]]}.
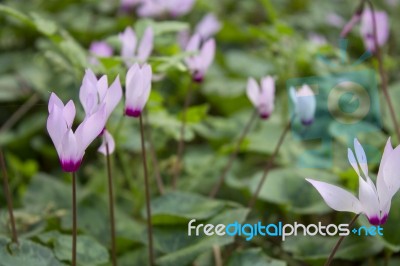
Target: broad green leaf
{"points": [[253, 257], [179, 207], [320, 247], [28, 253], [201, 244], [89, 251], [300, 197]]}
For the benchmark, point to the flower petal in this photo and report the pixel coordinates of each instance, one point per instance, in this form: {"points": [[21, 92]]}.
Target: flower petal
{"points": [[56, 127], [391, 170], [361, 157], [208, 26], [207, 54], [69, 113], [90, 128], [113, 96], [128, 40], [253, 91], [107, 140], [336, 197], [54, 101], [102, 86], [368, 199], [146, 45], [353, 161]]}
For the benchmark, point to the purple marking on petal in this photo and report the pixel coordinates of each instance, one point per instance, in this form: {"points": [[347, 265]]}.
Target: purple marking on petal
{"points": [[132, 112], [264, 116], [374, 220], [384, 219], [70, 166], [198, 77], [307, 122]]}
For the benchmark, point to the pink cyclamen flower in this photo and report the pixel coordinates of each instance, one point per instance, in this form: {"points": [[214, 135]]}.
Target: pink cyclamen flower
{"points": [[200, 62], [71, 145], [208, 26], [158, 8], [130, 52], [305, 104], [367, 28], [262, 97], [373, 201], [95, 93], [99, 49], [138, 87]]}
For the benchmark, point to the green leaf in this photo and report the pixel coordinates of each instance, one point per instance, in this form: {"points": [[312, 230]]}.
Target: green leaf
{"points": [[160, 27], [28, 253], [253, 257], [89, 251], [300, 197], [320, 247], [201, 244], [179, 207], [45, 26]]}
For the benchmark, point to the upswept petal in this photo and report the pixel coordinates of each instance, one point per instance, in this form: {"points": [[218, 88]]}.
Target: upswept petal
{"points": [[268, 87], [306, 104], [336, 197], [107, 140], [361, 157], [69, 113], [194, 43], [369, 199], [208, 26], [56, 127], [54, 101], [88, 91], [146, 45], [102, 86], [207, 54], [91, 128], [353, 161], [391, 170], [128, 39], [253, 91], [69, 147], [113, 96], [133, 86], [381, 186]]}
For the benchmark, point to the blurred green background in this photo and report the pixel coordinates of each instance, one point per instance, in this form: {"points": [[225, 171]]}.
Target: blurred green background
{"points": [[44, 48]]}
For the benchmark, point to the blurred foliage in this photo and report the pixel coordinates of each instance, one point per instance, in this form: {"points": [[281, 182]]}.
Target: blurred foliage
{"points": [[44, 48]]}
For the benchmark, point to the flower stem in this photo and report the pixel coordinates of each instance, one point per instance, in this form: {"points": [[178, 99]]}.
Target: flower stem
{"points": [[153, 154], [147, 192], [181, 144], [7, 193], [335, 249], [233, 156], [382, 72], [111, 207], [74, 217], [268, 166]]}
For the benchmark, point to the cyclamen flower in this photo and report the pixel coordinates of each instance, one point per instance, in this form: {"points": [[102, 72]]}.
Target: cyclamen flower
{"points": [[304, 104], [71, 145], [138, 87], [262, 97], [127, 5], [373, 201], [199, 63], [367, 28], [157, 8], [99, 49], [95, 93], [129, 52]]}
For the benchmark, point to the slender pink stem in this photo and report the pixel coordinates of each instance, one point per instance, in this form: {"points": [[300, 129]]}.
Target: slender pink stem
{"points": [[233, 156], [268, 166], [111, 208], [147, 192], [336, 247]]}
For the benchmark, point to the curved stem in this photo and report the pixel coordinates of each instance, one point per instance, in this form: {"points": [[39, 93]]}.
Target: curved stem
{"points": [[336, 247], [233, 156], [74, 217], [382, 73], [147, 192], [7, 193], [181, 144], [268, 166], [111, 208]]}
